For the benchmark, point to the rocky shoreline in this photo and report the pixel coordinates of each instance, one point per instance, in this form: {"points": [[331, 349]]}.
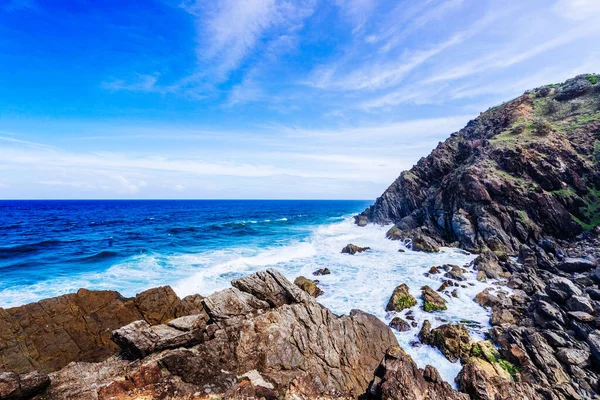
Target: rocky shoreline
{"points": [[519, 186]]}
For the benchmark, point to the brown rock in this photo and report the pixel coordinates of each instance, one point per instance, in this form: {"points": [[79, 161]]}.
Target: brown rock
{"points": [[353, 249], [431, 300], [49, 334], [398, 377], [21, 387], [309, 286], [452, 340], [400, 299]]}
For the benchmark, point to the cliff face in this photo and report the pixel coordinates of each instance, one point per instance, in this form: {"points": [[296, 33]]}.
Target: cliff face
{"points": [[525, 167]]}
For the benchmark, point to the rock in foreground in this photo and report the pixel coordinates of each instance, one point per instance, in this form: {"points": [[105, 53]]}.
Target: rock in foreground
{"points": [[49, 334], [265, 328]]}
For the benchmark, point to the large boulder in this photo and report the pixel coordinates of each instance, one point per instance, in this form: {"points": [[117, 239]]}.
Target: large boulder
{"points": [[51, 333], [400, 299], [452, 340], [561, 289]]}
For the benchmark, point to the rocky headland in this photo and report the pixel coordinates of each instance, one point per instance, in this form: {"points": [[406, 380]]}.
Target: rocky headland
{"points": [[519, 186]]}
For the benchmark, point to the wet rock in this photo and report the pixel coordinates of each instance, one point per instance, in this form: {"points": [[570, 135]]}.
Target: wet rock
{"points": [[502, 316], [452, 340], [399, 324], [309, 286], [422, 242], [21, 387], [322, 271], [434, 270], [361, 220], [401, 299], [455, 273], [353, 249], [550, 311], [571, 265], [487, 262], [593, 340], [431, 300]]}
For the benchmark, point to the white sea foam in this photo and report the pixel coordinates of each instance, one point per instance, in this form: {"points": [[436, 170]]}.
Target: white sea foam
{"points": [[363, 281]]}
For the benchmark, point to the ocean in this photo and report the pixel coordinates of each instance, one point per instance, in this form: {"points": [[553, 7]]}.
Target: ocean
{"points": [[49, 248]]}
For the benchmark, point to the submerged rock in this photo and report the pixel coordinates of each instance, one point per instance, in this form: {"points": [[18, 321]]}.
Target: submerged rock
{"points": [[353, 249], [322, 271], [309, 286], [400, 299]]}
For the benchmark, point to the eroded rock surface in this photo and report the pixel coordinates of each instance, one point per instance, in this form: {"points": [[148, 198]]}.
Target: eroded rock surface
{"points": [[273, 328], [49, 334]]}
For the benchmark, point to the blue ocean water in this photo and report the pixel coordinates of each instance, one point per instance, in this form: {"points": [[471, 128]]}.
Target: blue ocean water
{"points": [[49, 248], [44, 241]]}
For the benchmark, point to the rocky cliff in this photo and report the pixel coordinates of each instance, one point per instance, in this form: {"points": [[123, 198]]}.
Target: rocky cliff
{"points": [[521, 171]]}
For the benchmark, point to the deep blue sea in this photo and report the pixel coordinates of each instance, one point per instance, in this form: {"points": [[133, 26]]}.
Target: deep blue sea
{"points": [[49, 248]]}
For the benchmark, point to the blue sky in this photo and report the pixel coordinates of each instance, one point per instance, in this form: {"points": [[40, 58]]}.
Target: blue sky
{"points": [[261, 98]]}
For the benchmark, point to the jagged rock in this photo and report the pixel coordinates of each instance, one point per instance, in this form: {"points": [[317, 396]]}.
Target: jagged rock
{"points": [[353, 249], [481, 381], [486, 187], [400, 299], [576, 265], [502, 317], [140, 339], [361, 220], [551, 311], [399, 324], [297, 348], [398, 377], [422, 242], [452, 340], [322, 271], [434, 270], [309, 286], [581, 316], [593, 340], [579, 303], [573, 356], [487, 262], [431, 300], [49, 334], [561, 289], [573, 88], [22, 387]]}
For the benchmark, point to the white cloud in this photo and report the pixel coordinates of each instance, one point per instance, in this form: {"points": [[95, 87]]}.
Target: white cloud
{"points": [[578, 9]]}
